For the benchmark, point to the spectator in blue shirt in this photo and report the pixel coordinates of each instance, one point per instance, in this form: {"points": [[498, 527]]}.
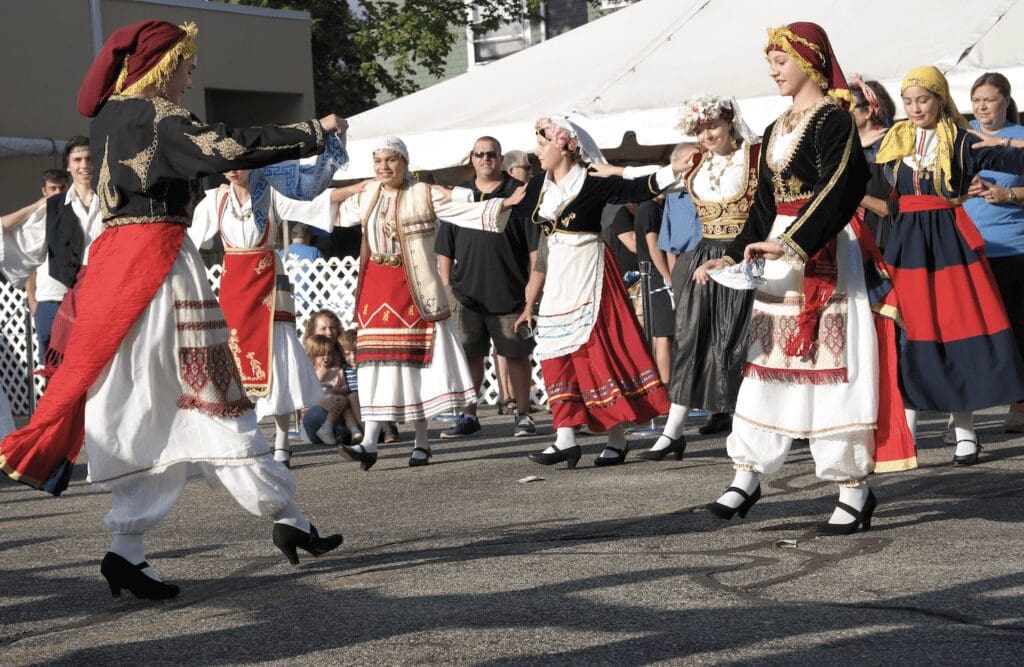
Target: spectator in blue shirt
{"points": [[680, 226], [300, 247]]}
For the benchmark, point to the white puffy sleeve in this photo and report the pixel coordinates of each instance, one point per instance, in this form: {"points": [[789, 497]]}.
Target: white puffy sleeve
{"points": [[485, 215], [317, 212], [204, 220], [23, 249]]}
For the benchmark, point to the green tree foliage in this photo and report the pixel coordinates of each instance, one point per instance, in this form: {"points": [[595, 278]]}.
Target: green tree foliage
{"points": [[377, 48]]}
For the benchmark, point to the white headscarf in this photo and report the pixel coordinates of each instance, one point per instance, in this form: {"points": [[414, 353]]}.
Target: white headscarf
{"points": [[393, 145]]}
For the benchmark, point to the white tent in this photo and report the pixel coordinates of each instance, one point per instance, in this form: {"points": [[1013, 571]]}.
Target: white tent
{"points": [[629, 71]]}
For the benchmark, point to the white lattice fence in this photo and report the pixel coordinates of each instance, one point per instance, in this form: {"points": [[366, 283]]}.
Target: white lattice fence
{"points": [[320, 284]]}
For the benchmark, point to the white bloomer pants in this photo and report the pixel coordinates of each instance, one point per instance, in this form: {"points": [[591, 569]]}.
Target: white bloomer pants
{"points": [[262, 486], [844, 457]]}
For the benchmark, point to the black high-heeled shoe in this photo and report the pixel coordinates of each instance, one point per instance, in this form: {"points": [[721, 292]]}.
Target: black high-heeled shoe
{"points": [[571, 456], [967, 459], [119, 574], [415, 462], [619, 458], [288, 538], [726, 512], [366, 459], [677, 447], [861, 517]]}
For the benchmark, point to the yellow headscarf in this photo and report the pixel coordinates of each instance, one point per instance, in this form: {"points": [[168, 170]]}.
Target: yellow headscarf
{"points": [[899, 141]]}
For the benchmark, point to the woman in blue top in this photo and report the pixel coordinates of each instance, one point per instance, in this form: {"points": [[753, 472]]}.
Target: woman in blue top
{"points": [[996, 208]]}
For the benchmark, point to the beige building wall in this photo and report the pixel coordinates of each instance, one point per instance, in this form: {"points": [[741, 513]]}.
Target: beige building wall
{"points": [[254, 67]]}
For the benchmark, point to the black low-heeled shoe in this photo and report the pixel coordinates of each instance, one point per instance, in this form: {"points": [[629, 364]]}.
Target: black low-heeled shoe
{"points": [[288, 538], [719, 422], [119, 574], [366, 459], [571, 456], [620, 457], [726, 512], [967, 459], [677, 447], [415, 462], [861, 517]]}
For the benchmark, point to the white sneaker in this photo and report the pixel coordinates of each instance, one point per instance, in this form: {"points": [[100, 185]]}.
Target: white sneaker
{"points": [[326, 434]]}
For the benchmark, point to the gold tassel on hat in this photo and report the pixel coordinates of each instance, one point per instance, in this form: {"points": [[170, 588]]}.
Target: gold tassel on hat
{"points": [[158, 75]]}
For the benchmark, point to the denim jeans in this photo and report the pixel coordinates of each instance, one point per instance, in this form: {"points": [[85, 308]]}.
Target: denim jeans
{"points": [[315, 418], [46, 312]]}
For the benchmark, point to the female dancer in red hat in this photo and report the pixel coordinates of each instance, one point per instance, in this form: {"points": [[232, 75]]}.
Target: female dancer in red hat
{"points": [[813, 358], [148, 380]]}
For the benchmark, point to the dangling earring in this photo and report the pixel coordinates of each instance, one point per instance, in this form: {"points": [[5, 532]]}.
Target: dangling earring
{"points": [[732, 142]]}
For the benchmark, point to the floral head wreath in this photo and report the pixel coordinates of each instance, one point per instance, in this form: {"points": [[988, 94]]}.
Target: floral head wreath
{"points": [[563, 137], [703, 108]]}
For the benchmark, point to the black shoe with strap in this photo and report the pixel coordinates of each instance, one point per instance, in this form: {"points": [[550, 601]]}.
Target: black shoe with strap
{"points": [[967, 459], [619, 458], [726, 512], [288, 538], [861, 517], [415, 462], [677, 446], [571, 456], [358, 453], [119, 574]]}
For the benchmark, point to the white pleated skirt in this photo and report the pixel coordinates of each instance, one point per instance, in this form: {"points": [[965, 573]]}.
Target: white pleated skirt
{"points": [[407, 393], [293, 382]]}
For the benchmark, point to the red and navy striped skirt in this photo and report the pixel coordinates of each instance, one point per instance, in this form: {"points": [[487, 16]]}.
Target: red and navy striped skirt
{"points": [[957, 351]]}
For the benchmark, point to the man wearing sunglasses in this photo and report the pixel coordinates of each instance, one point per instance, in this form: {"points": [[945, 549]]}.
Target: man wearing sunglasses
{"points": [[487, 274]]}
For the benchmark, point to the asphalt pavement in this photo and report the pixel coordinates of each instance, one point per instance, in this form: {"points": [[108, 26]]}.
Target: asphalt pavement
{"points": [[463, 562]]}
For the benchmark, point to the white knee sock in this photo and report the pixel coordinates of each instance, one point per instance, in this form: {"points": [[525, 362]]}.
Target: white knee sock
{"points": [[744, 479], [370, 434], [281, 423], [911, 415], [855, 497], [130, 548], [617, 439], [673, 426], [421, 440], [565, 438], [966, 437]]}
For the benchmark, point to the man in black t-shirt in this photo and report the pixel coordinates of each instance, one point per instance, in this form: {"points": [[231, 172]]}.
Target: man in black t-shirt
{"points": [[487, 274], [647, 223]]}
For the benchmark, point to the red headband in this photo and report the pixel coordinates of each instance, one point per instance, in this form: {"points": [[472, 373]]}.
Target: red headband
{"points": [[808, 45]]}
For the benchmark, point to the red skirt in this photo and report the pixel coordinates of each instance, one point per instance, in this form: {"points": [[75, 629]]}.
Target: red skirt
{"points": [[612, 378]]}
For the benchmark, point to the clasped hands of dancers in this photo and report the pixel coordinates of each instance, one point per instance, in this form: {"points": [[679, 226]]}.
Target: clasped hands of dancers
{"points": [[800, 356]]}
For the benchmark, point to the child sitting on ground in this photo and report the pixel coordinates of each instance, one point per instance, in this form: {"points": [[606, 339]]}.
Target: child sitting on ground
{"points": [[326, 355], [347, 341]]}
